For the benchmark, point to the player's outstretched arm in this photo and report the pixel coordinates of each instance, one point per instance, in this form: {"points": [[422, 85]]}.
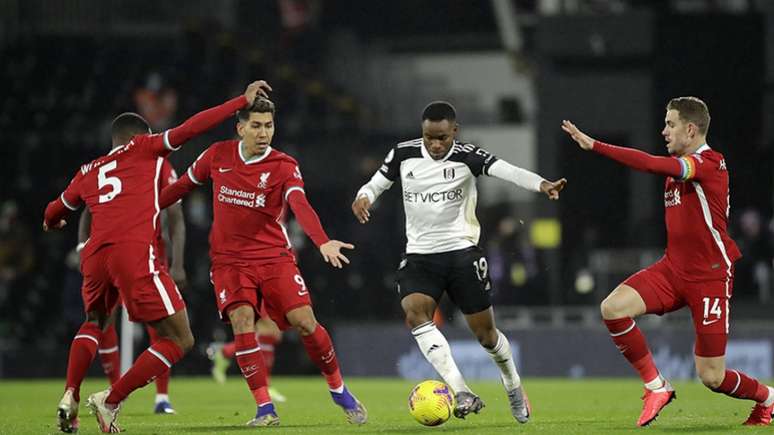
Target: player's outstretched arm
{"points": [[53, 218], [526, 179], [331, 252], [310, 223], [56, 210], [552, 188], [368, 193], [635, 159], [176, 191], [360, 208], [585, 141], [207, 119]]}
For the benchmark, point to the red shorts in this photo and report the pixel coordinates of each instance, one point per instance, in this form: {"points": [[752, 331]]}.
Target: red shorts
{"points": [[664, 291], [272, 289], [146, 288]]}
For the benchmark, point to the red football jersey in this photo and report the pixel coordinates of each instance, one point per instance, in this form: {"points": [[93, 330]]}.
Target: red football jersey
{"points": [[249, 201], [696, 206], [121, 190]]}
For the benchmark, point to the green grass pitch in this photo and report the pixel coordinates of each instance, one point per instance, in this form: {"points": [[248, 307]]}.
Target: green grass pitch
{"points": [[604, 406]]}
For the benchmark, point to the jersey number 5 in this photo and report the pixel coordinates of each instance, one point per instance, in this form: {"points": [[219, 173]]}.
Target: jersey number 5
{"points": [[103, 180]]}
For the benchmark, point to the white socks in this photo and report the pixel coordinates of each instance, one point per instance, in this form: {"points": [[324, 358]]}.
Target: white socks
{"points": [[162, 398], [435, 348], [501, 355], [337, 390], [655, 384]]}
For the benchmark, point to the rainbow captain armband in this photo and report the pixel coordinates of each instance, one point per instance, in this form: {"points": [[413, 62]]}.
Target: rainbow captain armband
{"points": [[688, 167]]}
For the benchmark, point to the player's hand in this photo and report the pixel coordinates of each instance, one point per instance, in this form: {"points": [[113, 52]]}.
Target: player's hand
{"points": [[360, 208], [259, 87], [331, 252], [58, 226], [552, 188], [179, 276], [585, 141]]}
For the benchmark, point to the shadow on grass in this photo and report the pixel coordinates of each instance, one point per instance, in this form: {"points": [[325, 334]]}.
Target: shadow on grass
{"points": [[697, 428], [477, 428], [240, 428]]}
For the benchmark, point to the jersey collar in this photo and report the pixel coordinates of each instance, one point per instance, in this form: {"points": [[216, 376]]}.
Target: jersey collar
{"points": [[446, 157], [702, 148], [254, 159], [116, 149]]}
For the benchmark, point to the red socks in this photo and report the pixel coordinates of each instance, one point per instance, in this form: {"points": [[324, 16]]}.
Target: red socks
{"points": [[629, 340], [108, 354], [162, 380], [267, 343], [82, 352], [250, 360], [156, 360], [739, 385], [319, 347]]}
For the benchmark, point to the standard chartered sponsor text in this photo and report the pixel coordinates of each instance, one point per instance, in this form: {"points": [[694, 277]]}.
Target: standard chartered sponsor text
{"points": [[227, 195]]}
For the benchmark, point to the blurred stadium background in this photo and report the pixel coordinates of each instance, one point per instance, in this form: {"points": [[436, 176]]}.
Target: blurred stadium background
{"points": [[350, 79]]}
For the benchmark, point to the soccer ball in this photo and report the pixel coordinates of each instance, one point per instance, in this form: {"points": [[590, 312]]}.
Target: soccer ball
{"points": [[431, 403]]}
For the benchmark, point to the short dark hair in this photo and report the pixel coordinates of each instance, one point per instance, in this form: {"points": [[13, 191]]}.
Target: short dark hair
{"points": [[260, 105], [438, 111], [692, 110], [127, 125]]}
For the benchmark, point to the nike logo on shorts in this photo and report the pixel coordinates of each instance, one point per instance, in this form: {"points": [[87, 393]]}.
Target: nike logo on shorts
{"points": [[222, 170], [706, 322]]}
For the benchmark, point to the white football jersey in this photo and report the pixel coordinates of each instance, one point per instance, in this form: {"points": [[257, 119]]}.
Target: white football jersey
{"points": [[439, 196]]}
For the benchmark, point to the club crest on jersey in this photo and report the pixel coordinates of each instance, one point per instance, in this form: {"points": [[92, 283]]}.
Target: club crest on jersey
{"points": [[264, 180], [672, 198], [222, 296], [448, 174], [260, 200]]}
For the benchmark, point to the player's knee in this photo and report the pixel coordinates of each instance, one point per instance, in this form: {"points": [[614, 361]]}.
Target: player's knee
{"points": [[416, 318], [186, 342], [487, 338], [417, 315], [711, 378], [242, 318], [306, 325], [611, 308]]}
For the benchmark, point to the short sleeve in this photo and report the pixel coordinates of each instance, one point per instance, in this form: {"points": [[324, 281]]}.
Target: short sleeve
{"points": [[71, 197], [697, 167], [479, 161], [154, 144], [391, 166], [294, 179], [199, 171]]}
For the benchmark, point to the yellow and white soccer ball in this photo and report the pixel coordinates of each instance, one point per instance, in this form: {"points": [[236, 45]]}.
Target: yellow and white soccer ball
{"points": [[431, 403]]}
